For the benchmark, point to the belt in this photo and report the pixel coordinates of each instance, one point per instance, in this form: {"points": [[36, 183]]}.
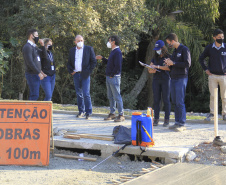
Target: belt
{"points": [[78, 71]]}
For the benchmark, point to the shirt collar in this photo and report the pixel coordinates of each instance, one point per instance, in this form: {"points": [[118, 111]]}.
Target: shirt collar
{"points": [[116, 47], [80, 48], [214, 46], [31, 43]]}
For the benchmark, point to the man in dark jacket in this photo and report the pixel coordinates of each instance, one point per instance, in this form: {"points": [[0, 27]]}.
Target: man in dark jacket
{"points": [[32, 61], [113, 78], [81, 63], [179, 63]]}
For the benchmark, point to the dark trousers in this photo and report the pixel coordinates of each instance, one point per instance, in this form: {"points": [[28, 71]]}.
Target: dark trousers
{"points": [[178, 91], [33, 82], [161, 89], [48, 84], [82, 88]]}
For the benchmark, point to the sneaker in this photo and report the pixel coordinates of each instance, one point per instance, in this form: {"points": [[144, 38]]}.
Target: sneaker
{"points": [[166, 123], [173, 126], [110, 117], [156, 122], [209, 117], [81, 114], [218, 141], [224, 117], [119, 118], [180, 129]]}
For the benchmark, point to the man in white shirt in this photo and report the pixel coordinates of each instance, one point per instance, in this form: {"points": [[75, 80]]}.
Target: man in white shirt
{"points": [[80, 65]]}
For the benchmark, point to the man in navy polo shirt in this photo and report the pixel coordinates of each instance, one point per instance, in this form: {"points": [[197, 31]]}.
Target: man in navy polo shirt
{"points": [[113, 78], [179, 63], [216, 70]]}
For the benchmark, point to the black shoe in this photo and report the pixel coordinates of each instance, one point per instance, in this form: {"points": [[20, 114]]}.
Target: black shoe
{"points": [[166, 123], [218, 141], [209, 117], [87, 116], [156, 122], [81, 114], [224, 117]]}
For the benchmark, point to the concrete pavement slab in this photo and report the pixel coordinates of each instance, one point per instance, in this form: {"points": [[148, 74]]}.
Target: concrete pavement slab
{"points": [[183, 173], [169, 146]]}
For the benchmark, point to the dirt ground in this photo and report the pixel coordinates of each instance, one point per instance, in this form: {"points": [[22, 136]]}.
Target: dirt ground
{"points": [[71, 171], [207, 153]]}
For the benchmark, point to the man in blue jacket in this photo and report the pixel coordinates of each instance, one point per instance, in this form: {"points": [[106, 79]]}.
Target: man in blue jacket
{"points": [[81, 63], [113, 78], [179, 63]]}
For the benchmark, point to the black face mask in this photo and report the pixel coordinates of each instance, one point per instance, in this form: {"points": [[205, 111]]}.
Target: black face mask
{"points": [[50, 47], [36, 39], [219, 41]]}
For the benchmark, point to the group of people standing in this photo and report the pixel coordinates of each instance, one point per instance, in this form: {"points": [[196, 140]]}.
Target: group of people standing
{"points": [[40, 70], [39, 65], [170, 74], [171, 77]]}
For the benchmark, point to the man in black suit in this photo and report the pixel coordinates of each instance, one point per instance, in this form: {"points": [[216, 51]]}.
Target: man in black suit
{"points": [[80, 65], [32, 59]]}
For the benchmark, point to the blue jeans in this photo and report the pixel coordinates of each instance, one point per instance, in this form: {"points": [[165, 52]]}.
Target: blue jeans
{"points": [[178, 91], [48, 84], [82, 88], [33, 82], [113, 94], [161, 89]]}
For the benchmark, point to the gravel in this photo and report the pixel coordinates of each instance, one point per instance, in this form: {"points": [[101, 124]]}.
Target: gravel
{"points": [[207, 153], [67, 171]]}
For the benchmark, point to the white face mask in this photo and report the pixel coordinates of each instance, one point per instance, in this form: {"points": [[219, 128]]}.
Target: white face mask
{"points": [[80, 44], [109, 45], [159, 52]]}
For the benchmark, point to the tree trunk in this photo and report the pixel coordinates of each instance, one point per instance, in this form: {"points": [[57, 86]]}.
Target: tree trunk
{"points": [[145, 76]]}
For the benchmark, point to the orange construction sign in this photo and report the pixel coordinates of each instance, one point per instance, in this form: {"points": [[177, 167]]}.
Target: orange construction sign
{"points": [[25, 129]]}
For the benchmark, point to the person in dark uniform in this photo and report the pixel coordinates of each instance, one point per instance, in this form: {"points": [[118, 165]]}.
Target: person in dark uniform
{"points": [[161, 82], [32, 61], [48, 68], [179, 63]]}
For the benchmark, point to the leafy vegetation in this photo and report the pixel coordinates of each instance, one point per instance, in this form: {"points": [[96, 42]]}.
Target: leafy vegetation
{"points": [[139, 23]]}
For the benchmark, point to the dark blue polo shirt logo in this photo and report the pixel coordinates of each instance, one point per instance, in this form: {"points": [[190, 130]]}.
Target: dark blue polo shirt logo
{"points": [[223, 53], [178, 54]]}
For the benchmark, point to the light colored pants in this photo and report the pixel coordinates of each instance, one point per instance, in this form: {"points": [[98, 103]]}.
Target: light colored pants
{"points": [[214, 81]]}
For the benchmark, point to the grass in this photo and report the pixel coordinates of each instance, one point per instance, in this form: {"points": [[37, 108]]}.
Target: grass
{"points": [[105, 110]]}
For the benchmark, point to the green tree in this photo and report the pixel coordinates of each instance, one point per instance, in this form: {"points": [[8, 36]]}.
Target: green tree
{"points": [[194, 24]]}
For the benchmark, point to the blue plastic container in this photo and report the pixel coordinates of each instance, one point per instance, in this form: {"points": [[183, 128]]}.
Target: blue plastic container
{"points": [[146, 121]]}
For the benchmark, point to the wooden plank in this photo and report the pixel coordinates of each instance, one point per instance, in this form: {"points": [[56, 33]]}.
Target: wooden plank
{"points": [[90, 137], [70, 136], [75, 157], [105, 135]]}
